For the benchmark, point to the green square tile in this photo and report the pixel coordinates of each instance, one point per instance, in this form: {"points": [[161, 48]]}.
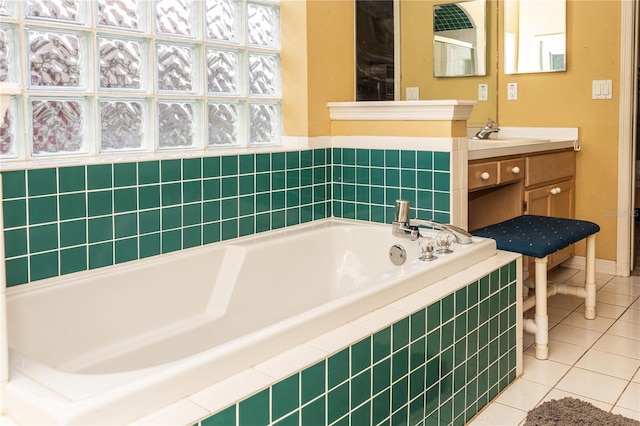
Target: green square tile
{"points": [[381, 407], [229, 208], [361, 415], [192, 214], [441, 161], [73, 206], [293, 197], [417, 352], [400, 334], [171, 218], [472, 293], [15, 242], [211, 189], [211, 167], [246, 163], [441, 181], [306, 158], [417, 381], [472, 318], [336, 155], [149, 196], [125, 200], [191, 191], [171, 194], [391, 195], [14, 184], [171, 240], [319, 175], [41, 182], [424, 160], [447, 334], [278, 220], [377, 214], [73, 233], [99, 203], [306, 214], [246, 226], [230, 186], [338, 402], [312, 382], [408, 179], [71, 179], [460, 349], [263, 182], [263, 222], [417, 324], [211, 233], [17, 271], [126, 250], [381, 344], [399, 363], [44, 265], [319, 193], [149, 245], [377, 157], [246, 184], [192, 236], [100, 255], [484, 287], [319, 157], [441, 201], [292, 419], [408, 159], [360, 355], [433, 343], [285, 396], [15, 213], [225, 417], [43, 238], [170, 170], [246, 205], [254, 411], [100, 229], [293, 216], [278, 200], [362, 175], [229, 229], [229, 165], [148, 172], [424, 180], [362, 157], [392, 158], [149, 221], [377, 195], [348, 156], [360, 388], [400, 396], [263, 202], [73, 260], [392, 177], [263, 163], [124, 174], [211, 211], [99, 176], [338, 368], [448, 307], [278, 181], [278, 161], [292, 160], [314, 413], [191, 168], [126, 225], [348, 174], [306, 177]]}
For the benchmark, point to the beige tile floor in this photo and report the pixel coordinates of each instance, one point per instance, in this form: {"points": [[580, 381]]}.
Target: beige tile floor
{"points": [[597, 361]]}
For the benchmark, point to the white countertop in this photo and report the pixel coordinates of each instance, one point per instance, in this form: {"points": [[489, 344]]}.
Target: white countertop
{"points": [[523, 140]]}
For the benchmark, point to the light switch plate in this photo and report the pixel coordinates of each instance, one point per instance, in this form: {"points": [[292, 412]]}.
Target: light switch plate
{"points": [[602, 89], [413, 93]]}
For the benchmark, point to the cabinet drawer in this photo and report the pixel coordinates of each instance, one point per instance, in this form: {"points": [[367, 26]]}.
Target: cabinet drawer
{"points": [[549, 167], [511, 170], [483, 174]]}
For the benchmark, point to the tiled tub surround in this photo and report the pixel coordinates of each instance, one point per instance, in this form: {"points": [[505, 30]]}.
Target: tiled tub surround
{"points": [[437, 356], [62, 220], [119, 344]]}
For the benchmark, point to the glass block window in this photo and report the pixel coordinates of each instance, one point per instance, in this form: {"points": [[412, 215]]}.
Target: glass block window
{"points": [[139, 75]]}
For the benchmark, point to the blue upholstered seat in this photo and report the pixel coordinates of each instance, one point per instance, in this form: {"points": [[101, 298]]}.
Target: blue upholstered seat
{"points": [[537, 236]]}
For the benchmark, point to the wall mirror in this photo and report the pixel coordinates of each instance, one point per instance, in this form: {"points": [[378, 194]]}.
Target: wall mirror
{"points": [[459, 39], [534, 36]]}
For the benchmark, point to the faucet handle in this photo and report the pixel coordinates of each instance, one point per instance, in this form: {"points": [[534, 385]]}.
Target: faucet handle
{"points": [[401, 211]]}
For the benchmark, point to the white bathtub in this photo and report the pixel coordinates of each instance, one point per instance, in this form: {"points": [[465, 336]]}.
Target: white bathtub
{"points": [[111, 345]]}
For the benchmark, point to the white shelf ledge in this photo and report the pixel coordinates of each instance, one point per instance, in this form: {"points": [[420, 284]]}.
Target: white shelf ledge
{"points": [[439, 110]]}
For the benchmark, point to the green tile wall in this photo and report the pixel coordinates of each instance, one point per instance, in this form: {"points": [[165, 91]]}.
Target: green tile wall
{"points": [[438, 366], [68, 219]]}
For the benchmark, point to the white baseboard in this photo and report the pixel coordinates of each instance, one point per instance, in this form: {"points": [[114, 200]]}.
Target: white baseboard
{"points": [[602, 266]]}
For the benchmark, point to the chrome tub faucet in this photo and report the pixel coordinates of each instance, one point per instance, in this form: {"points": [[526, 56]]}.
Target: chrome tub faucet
{"points": [[487, 130], [403, 227]]}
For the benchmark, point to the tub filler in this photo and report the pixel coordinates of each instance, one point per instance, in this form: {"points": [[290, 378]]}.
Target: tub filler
{"points": [[114, 344]]}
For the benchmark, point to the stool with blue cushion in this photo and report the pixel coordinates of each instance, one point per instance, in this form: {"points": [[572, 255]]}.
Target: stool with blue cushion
{"points": [[538, 237]]}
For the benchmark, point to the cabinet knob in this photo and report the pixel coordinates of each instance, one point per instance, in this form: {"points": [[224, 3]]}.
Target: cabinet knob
{"points": [[515, 170], [556, 190], [485, 176]]}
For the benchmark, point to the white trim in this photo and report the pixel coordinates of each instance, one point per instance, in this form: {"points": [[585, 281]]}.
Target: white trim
{"points": [[625, 150], [402, 110], [608, 267]]}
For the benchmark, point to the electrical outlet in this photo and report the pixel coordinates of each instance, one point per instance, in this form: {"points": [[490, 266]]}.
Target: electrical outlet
{"points": [[512, 91], [483, 92], [413, 93]]}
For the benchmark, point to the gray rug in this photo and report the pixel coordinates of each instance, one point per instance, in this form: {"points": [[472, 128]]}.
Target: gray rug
{"points": [[572, 411]]}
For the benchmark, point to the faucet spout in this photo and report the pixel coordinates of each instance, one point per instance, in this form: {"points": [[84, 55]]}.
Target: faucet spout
{"points": [[461, 236], [405, 228], [487, 130]]}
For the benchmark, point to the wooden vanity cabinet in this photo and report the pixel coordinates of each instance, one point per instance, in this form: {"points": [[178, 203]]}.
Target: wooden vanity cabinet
{"points": [[540, 184]]}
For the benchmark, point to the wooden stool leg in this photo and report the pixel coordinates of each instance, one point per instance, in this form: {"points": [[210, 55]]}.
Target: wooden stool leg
{"points": [[541, 317], [590, 279]]}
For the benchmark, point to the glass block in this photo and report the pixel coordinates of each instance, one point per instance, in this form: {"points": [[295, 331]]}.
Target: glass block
{"points": [[122, 13], [54, 59], [120, 63], [264, 124], [5, 8], [7, 42], [263, 25], [223, 121], [222, 71], [175, 124], [174, 16], [57, 126], [264, 74], [66, 10], [223, 19], [175, 65], [121, 125], [7, 146]]}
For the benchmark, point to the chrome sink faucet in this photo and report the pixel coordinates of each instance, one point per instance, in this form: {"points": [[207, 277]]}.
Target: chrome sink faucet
{"points": [[487, 130], [405, 228]]}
